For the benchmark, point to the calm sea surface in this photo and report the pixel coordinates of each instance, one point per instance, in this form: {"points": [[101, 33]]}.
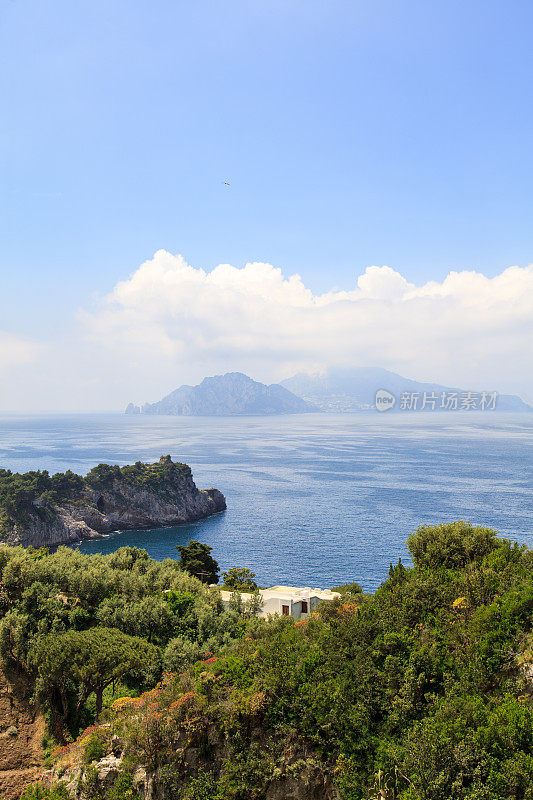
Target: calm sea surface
{"points": [[313, 500]]}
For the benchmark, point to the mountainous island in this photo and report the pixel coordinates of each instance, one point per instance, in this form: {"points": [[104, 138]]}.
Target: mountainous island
{"points": [[355, 390], [349, 390], [41, 510], [226, 395]]}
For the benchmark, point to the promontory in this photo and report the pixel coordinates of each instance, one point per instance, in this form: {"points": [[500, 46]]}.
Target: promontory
{"points": [[41, 510]]}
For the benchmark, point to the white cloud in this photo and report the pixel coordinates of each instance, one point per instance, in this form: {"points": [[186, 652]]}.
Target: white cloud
{"points": [[170, 323], [383, 283], [176, 323]]}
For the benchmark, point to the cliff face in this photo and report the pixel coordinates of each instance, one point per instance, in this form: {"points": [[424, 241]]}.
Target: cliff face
{"points": [[113, 498]]}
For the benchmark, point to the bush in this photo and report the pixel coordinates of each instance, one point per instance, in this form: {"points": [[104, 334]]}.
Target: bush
{"points": [[451, 545]]}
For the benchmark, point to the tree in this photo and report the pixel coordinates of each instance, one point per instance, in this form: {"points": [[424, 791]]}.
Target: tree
{"points": [[195, 559], [103, 475], [91, 660], [397, 573], [14, 637], [180, 603], [253, 606], [347, 588], [241, 579]]}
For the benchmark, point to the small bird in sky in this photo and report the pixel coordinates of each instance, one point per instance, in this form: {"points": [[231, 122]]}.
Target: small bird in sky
{"points": [[226, 183]]}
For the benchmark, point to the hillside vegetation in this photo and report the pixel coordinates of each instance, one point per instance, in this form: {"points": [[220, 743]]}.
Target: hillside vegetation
{"points": [[421, 691]]}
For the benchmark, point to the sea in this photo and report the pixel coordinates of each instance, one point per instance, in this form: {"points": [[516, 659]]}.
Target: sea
{"points": [[314, 499]]}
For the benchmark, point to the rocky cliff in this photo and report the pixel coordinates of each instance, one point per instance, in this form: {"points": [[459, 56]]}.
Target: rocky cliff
{"points": [[41, 510]]}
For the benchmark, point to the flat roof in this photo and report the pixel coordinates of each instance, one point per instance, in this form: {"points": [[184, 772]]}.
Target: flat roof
{"points": [[289, 592]]}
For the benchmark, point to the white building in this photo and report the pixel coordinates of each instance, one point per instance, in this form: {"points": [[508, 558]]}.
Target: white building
{"points": [[289, 601]]}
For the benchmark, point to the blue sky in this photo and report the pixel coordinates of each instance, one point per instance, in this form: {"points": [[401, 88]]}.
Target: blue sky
{"points": [[352, 133]]}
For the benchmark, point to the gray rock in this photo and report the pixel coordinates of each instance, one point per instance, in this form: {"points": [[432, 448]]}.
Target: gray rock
{"points": [[108, 769]]}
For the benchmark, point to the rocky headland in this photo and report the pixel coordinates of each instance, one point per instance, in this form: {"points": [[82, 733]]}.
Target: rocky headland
{"points": [[42, 510]]}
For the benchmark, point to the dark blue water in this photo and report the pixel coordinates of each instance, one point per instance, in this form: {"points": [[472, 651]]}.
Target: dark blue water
{"points": [[313, 500]]}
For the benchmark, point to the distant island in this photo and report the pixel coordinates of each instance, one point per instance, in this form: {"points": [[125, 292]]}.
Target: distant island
{"points": [[40, 509], [355, 390], [227, 395], [348, 390]]}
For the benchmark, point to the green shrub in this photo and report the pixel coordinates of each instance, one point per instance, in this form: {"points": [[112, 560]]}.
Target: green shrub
{"points": [[37, 791], [94, 749], [451, 545]]}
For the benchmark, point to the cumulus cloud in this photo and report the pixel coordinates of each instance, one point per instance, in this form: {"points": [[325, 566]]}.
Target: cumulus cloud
{"points": [[469, 329]]}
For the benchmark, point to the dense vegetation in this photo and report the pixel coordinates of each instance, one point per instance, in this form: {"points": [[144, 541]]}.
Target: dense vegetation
{"points": [[140, 475], [19, 491], [102, 625], [422, 691]]}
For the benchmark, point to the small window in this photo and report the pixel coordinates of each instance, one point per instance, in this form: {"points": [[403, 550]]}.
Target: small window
{"points": [[285, 610], [305, 608]]}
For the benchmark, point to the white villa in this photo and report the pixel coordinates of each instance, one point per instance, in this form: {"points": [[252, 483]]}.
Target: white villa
{"points": [[289, 601]]}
